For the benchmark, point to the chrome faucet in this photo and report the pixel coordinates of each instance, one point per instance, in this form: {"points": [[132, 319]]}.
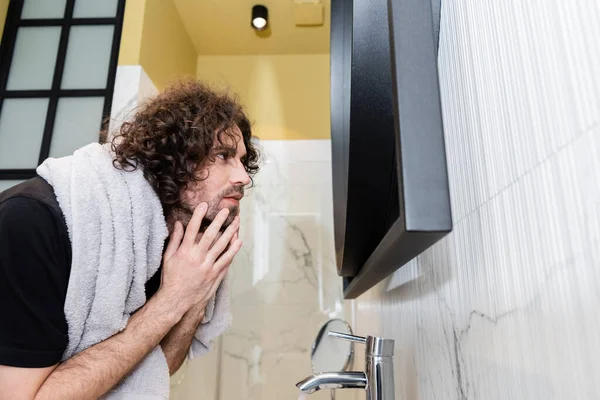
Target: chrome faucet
{"points": [[377, 380]]}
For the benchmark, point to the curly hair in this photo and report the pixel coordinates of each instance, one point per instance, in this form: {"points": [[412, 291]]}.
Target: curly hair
{"points": [[171, 137]]}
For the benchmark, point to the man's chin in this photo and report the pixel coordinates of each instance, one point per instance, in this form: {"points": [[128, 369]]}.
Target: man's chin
{"points": [[233, 212]]}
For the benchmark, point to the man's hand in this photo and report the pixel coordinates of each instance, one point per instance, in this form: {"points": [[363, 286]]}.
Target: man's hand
{"points": [[193, 269], [199, 308], [177, 343]]}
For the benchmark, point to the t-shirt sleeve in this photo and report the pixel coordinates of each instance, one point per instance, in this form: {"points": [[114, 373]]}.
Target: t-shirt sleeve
{"points": [[34, 274]]}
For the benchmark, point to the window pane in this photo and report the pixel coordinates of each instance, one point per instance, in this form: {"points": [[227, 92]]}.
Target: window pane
{"points": [[43, 9], [34, 58], [88, 56], [7, 184], [95, 8], [77, 123], [21, 129]]}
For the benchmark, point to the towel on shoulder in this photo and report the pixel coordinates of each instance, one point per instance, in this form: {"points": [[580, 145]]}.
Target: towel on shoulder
{"points": [[117, 231]]}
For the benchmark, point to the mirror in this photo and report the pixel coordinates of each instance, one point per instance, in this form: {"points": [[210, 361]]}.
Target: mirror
{"points": [[385, 100], [330, 354]]}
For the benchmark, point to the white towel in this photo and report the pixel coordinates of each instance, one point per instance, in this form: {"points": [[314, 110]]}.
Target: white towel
{"points": [[117, 232], [217, 319]]}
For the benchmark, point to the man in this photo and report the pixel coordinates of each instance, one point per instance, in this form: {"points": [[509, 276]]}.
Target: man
{"points": [[194, 148]]}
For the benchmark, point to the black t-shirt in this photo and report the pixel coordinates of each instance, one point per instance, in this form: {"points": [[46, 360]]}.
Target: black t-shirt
{"points": [[35, 263]]}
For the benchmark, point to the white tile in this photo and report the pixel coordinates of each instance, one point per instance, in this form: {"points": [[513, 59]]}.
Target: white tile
{"points": [[294, 151], [505, 306], [515, 89]]}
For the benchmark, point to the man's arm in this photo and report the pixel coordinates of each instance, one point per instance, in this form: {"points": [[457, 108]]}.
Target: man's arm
{"points": [[94, 371], [21, 383], [177, 342]]}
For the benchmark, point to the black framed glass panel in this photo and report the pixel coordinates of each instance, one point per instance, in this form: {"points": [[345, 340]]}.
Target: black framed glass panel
{"points": [[58, 61]]}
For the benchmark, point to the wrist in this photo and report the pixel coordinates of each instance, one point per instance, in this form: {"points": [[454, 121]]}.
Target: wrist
{"points": [[196, 313], [171, 306]]}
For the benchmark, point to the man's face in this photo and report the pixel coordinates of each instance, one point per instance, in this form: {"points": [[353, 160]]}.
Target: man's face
{"points": [[223, 186]]}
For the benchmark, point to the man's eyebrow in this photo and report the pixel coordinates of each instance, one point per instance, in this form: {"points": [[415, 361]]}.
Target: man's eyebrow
{"points": [[227, 149]]}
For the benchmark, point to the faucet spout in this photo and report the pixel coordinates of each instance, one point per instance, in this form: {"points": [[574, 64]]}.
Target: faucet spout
{"points": [[333, 380]]}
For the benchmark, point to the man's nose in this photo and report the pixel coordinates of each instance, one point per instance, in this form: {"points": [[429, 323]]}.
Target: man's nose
{"points": [[240, 175]]}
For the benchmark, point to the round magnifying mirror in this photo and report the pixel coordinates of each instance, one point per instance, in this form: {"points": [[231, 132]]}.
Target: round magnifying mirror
{"points": [[330, 354]]}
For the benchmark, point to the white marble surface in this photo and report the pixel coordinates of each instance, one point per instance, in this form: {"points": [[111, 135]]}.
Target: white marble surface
{"points": [[506, 306]]}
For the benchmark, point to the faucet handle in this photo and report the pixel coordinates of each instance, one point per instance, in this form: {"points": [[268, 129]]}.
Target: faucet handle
{"points": [[376, 346], [350, 338]]}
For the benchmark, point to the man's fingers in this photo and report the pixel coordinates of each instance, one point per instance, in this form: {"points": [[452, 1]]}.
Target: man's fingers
{"points": [[194, 226], [225, 238], [174, 240], [219, 234], [219, 279], [209, 235], [226, 258], [224, 263], [233, 239]]}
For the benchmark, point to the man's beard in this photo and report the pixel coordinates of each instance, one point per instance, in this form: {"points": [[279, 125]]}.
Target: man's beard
{"points": [[184, 213]]}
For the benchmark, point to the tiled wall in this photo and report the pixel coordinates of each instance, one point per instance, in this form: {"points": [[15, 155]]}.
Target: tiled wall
{"points": [[507, 306]]}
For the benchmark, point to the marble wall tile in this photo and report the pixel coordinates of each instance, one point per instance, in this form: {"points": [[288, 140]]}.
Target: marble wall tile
{"points": [[506, 305]]}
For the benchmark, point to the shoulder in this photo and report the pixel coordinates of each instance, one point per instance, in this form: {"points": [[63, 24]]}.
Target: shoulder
{"points": [[31, 223], [19, 212], [31, 203]]}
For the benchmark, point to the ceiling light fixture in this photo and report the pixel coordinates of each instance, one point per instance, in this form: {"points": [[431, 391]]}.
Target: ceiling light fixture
{"points": [[260, 17]]}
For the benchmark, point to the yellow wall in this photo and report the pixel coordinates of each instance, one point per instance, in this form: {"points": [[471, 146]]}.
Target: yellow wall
{"points": [[154, 37], [166, 51], [131, 36], [286, 96], [3, 10]]}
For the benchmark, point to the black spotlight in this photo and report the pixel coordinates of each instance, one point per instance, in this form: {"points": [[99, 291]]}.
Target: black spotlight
{"points": [[260, 17]]}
